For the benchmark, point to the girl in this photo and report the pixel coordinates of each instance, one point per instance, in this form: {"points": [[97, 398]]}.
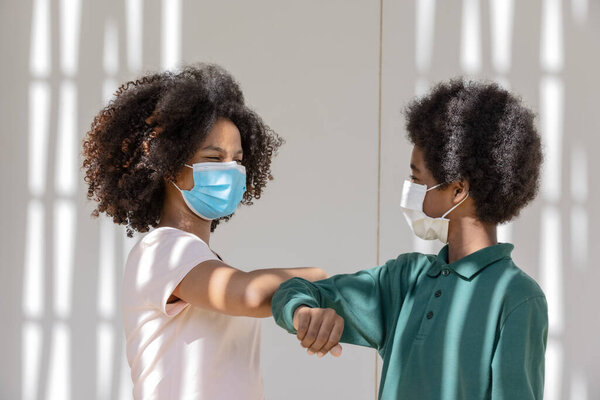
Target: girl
{"points": [[466, 323], [179, 152]]}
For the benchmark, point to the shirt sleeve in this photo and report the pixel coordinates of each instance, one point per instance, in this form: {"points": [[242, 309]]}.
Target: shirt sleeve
{"points": [[518, 362], [165, 261], [355, 297]]}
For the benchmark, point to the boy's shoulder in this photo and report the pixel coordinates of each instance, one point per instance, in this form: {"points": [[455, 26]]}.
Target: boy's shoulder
{"points": [[519, 286], [509, 287], [515, 290]]}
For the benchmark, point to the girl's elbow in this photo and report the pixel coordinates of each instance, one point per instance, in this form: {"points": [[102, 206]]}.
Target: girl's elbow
{"points": [[258, 302]]}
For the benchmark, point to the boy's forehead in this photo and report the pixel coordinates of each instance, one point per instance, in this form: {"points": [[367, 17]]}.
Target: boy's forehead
{"points": [[416, 159], [418, 165]]}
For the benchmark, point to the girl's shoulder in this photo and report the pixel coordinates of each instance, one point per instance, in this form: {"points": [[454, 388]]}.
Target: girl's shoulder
{"points": [[166, 233], [167, 246]]}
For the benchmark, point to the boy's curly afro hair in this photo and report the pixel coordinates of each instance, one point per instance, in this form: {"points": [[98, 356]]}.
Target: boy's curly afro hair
{"points": [[483, 134], [153, 126]]}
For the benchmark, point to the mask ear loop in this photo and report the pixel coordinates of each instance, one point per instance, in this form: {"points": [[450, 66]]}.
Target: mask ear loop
{"points": [[433, 187], [452, 209], [173, 182]]}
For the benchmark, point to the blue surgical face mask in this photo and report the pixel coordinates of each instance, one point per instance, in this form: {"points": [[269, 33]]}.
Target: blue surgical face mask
{"points": [[218, 189]]}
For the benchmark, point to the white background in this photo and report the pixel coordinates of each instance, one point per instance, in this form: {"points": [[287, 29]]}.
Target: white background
{"points": [[332, 78]]}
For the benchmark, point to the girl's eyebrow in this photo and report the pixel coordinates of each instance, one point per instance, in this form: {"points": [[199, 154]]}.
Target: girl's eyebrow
{"points": [[216, 148], [220, 150], [414, 168]]}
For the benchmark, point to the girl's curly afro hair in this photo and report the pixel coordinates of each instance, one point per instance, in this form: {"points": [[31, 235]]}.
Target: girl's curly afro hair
{"points": [[153, 126], [483, 134]]}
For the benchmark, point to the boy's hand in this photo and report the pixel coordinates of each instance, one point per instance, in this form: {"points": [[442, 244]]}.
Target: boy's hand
{"points": [[319, 330]]}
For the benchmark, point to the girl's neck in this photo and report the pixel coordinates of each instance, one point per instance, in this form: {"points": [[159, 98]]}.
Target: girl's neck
{"points": [[466, 235], [187, 221]]}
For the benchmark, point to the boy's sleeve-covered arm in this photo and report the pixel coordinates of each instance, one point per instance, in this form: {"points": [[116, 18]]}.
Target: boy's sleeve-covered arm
{"points": [[518, 363], [355, 297]]}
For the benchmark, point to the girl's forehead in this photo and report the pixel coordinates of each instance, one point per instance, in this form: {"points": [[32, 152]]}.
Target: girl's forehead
{"points": [[223, 132]]}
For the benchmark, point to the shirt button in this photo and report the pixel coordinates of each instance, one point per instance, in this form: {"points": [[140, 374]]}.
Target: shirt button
{"points": [[438, 293], [445, 272], [430, 315]]}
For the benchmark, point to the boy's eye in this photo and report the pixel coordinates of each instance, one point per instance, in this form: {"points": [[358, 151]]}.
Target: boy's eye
{"points": [[413, 178], [238, 161]]}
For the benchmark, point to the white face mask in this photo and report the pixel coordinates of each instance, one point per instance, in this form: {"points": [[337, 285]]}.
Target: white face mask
{"points": [[424, 226]]}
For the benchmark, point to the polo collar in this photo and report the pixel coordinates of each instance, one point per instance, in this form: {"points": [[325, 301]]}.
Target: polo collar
{"points": [[469, 266]]}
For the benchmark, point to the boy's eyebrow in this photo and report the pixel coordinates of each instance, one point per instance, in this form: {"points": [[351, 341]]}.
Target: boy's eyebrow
{"points": [[220, 150], [414, 168]]}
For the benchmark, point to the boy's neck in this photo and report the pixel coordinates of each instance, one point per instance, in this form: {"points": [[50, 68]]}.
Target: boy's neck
{"points": [[466, 235]]}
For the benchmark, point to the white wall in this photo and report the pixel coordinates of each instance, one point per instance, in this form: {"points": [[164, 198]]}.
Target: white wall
{"points": [[331, 77]]}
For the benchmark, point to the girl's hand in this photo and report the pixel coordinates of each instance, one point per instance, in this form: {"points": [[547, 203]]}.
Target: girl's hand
{"points": [[319, 330]]}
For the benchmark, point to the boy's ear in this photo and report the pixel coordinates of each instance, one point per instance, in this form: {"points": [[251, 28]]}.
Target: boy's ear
{"points": [[460, 189]]}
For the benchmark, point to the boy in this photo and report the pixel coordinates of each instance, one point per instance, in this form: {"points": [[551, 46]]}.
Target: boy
{"points": [[467, 323]]}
